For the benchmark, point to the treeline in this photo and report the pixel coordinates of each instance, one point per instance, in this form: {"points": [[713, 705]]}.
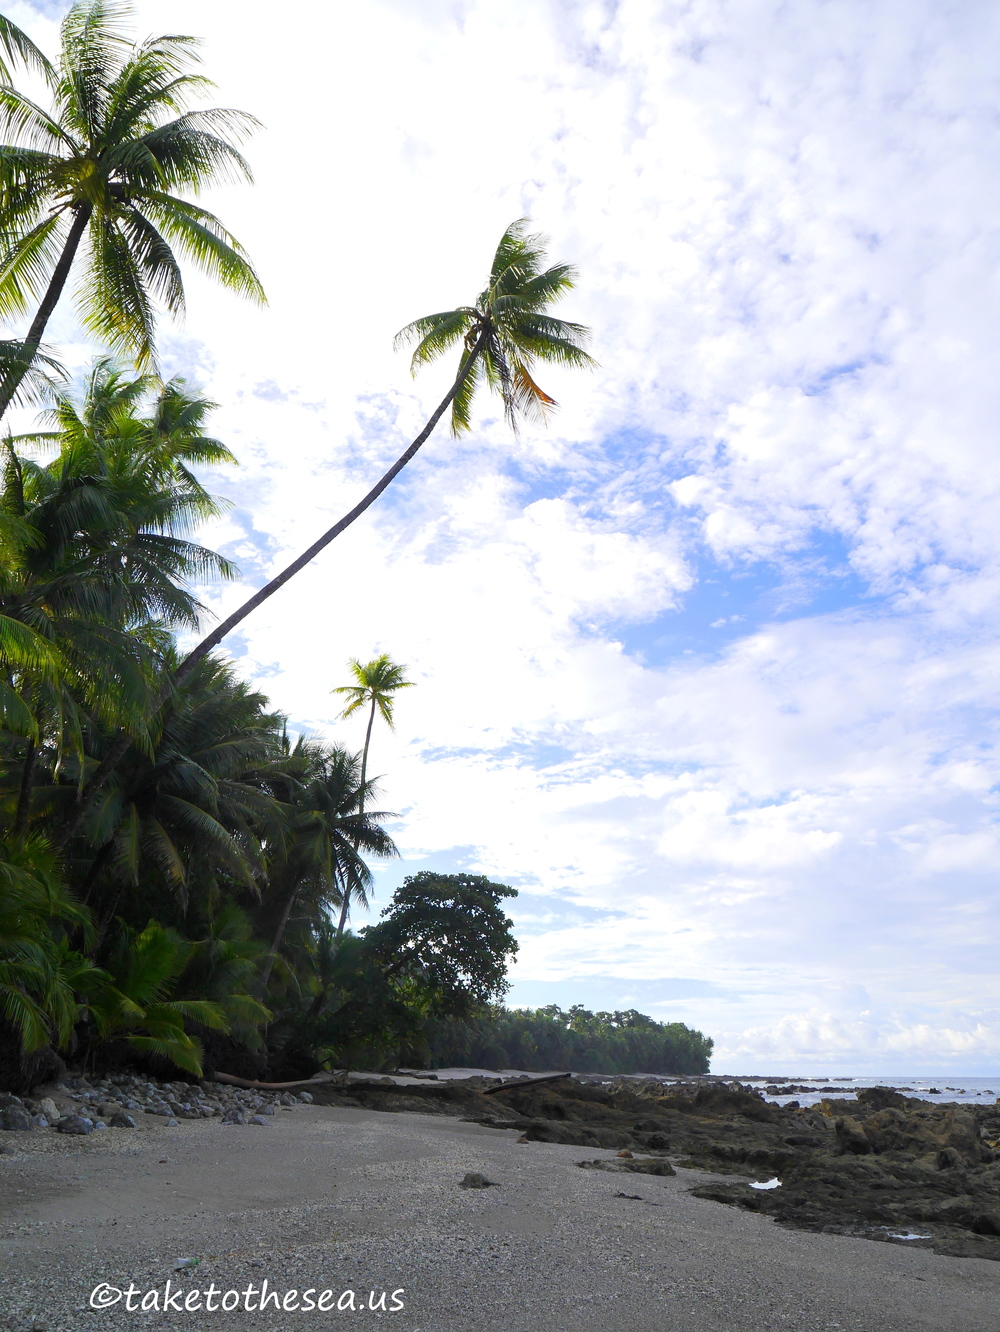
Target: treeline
{"points": [[549, 1039], [177, 871]]}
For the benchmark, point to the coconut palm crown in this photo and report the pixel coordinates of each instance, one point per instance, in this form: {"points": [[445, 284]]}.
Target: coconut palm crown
{"points": [[103, 175], [505, 332]]}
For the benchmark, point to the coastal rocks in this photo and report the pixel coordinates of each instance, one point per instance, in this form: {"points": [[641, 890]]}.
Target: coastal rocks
{"points": [[851, 1137], [75, 1124], [48, 1108], [234, 1116], [121, 1120], [636, 1166], [15, 1119]]}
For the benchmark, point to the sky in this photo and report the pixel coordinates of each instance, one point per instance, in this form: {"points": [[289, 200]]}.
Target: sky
{"points": [[708, 667]]}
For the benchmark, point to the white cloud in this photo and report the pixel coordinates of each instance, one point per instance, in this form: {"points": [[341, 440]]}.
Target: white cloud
{"points": [[782, 221]]}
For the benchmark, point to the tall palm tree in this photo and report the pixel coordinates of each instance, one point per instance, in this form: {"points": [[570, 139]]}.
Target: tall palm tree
{"points": [[327, 829], [508, 330], [105, 169], [376, 683], [501, 338]]}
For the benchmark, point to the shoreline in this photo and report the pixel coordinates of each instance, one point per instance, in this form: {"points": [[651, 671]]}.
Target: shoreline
{"points": [[345, 1197]]}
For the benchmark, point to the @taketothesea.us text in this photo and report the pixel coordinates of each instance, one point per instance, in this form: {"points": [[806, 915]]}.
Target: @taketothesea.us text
{"points": [[254, 1299]]}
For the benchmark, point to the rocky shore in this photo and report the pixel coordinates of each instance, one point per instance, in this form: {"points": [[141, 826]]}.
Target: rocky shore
{"points": [[882, 1167], [80, 1107]]}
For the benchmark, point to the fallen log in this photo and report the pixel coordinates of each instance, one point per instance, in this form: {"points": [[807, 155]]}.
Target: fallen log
{"points": [[317, 1079], [526, 1082]]}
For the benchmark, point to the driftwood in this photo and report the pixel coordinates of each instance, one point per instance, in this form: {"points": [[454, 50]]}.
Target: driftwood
{"points": [[527, 1082], [318, 1079]]}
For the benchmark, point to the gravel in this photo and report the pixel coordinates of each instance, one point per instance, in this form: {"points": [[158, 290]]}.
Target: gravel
{"points": [[336, 1198]]}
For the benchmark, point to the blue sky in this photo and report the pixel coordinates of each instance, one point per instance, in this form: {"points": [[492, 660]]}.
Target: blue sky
{"points": [[708, 669]]}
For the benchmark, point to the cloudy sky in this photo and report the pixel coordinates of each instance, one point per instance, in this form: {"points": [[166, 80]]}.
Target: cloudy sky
{"points": [[708, 669]]}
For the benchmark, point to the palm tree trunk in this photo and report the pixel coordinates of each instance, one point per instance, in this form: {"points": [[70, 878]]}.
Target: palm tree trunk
{"points": [[96, 865], [122, 745], [12, 380], [24, 794], [268, 590], [279, 934], [346, 905]]}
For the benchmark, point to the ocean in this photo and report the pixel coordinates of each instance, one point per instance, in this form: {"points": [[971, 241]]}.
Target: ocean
{"points": [[809, 1091]]}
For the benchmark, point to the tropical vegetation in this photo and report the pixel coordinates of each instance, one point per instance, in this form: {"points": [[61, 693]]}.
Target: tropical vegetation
{"points": [[177, 871]]}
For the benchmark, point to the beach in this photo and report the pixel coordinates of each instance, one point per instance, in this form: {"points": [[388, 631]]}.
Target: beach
{"points": [[345, 1199]]}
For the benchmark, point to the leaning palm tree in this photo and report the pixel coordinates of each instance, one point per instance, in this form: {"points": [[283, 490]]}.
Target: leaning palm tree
{"points": [[376, 682], [502, 337], [102, 175]]}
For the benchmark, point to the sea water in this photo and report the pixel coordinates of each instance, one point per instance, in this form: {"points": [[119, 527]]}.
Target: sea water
{"points": [[937, 1090]]}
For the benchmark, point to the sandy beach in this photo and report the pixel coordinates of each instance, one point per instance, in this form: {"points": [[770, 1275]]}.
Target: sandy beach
{"points": [[344, 1199]]}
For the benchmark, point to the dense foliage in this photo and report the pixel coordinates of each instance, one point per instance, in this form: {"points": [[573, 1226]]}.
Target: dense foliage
{"points": [[551, 1040], [172, 862]]}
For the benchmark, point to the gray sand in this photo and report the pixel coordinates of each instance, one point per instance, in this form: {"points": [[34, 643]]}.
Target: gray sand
{"points": [[353, 1199]]}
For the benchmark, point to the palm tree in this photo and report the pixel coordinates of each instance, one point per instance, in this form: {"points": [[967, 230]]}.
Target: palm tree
{"points": [[192, 812], [501, 337], [93, 560], [327, 829], [376, 683], [507, 330], [103, 170]]}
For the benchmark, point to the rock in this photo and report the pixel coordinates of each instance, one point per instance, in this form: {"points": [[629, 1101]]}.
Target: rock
{"points": [[76, 1124], [267, 1109], [851, 1137], [171, 1123], [100, 1125], [257, 1119], [626, 1153], [48, 1108], [122, 1120], [473, 1180], [987, 1223], [234, 1116], [306, 1097], [643, 1165], [884, 1098], [7, 1099], [15, 1119]]}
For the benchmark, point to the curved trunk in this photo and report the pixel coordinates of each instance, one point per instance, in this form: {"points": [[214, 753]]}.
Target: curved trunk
{"points": [[122, 745], [12, 380]]}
